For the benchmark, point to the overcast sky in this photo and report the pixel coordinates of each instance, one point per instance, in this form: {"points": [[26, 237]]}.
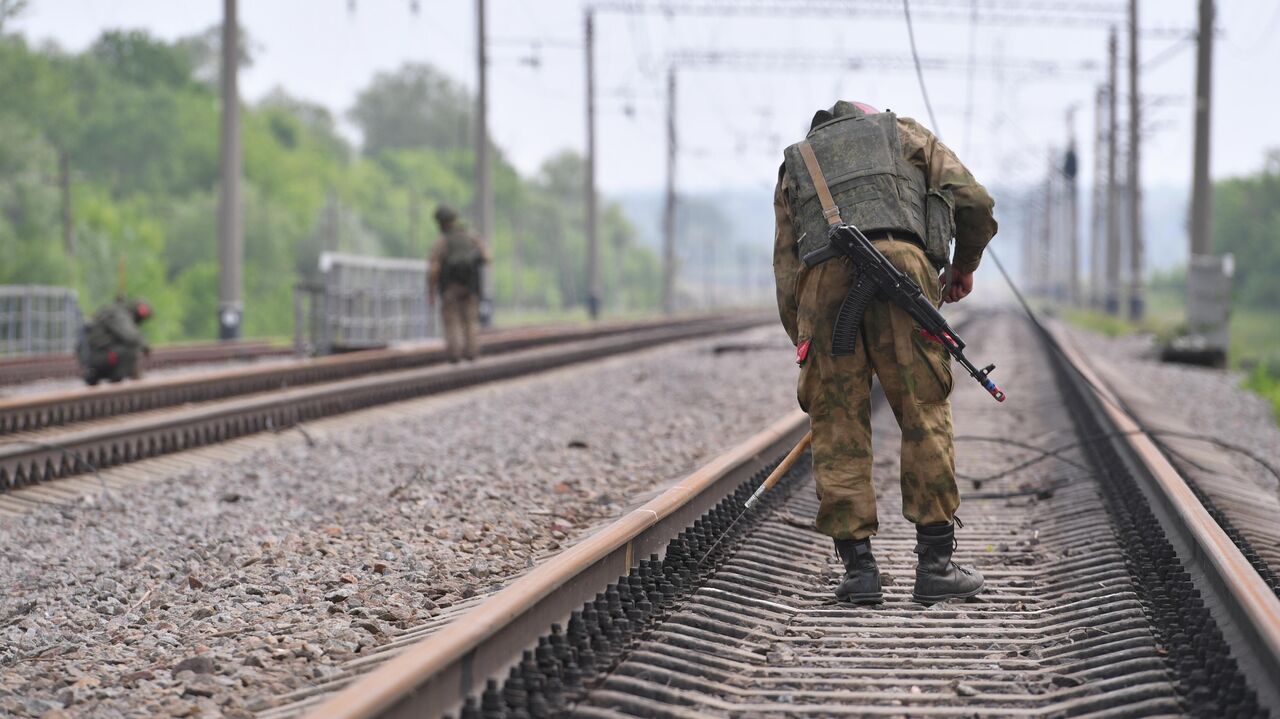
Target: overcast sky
{"points": [[733, 122]]}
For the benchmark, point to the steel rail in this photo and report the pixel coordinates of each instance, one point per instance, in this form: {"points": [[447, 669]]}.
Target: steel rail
{"points": [[18, 370], [435, 675], [439, 673], [50, 456], [28, 413], [1246, 608]]}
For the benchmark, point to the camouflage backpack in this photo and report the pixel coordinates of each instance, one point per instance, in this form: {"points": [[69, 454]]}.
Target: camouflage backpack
{"points": [[462, 260]]}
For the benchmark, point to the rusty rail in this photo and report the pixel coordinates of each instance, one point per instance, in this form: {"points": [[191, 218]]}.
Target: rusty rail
{"points": [[26, 369], [30, 459], [693, 658], [29, 413]]}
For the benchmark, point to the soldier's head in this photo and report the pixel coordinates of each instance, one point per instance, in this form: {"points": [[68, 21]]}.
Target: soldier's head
{"points": [[140, 310], [446, 216], [841, 109]]}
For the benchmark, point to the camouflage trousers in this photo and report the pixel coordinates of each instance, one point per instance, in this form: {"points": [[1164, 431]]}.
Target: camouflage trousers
{"points": [[125, 366], [915, 374], [460, 310]]}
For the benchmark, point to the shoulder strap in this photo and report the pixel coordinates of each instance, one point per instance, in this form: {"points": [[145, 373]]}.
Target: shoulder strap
{"points": [[829, 209]]}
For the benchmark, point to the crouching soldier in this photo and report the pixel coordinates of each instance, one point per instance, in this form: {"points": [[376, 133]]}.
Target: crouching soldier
{"points": [[112, 343]]}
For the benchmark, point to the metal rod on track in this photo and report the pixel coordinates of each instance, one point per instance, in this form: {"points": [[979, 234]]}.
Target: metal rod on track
{"points": [[783, 467]]}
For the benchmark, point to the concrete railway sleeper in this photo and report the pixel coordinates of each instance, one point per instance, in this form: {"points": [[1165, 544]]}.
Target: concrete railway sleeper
{"points": [[1108, 597], [30, 459], [24, 414]]}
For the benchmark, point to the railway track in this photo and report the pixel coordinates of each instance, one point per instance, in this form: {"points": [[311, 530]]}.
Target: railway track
{"points": [[18, 370], [1111, 592], [29, 413], [127, 426]]}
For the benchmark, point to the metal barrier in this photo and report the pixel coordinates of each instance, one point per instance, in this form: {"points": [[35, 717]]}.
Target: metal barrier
{"points": [[38, 320], [362, 302]]}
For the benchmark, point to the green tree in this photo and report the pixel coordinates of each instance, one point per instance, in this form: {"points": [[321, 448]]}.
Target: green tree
{"points": [[414, 107], [1246, 223]]}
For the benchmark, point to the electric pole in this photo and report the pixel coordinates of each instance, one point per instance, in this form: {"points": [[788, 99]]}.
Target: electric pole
{"points": [[1070, 170], [669, 213], [414, 214], [1112, 284], [593, 229], [1048, 281], [230, 218], [1095, 206], [484, 185], [1135, 171], [1201, 189], [1208, 276], [68, 220]]}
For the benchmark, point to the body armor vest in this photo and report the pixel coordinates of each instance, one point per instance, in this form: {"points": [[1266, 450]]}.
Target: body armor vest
{"points": [[872, 183]]}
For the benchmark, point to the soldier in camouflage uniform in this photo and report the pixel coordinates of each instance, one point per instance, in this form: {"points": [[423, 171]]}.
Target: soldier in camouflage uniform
{"points": [[454, 274], [909, 194], [112, 343]]}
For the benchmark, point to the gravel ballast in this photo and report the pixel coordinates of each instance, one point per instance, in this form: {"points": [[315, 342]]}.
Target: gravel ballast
{"points": [[212, 593], [1210, 426]]}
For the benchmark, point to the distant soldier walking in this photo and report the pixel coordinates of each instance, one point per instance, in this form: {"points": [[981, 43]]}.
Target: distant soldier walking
{"points": [[454, 274], [909, 194], [112, 342]]}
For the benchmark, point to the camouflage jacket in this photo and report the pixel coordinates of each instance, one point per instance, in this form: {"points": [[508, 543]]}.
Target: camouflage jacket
{"points": [[114, 327], [974, 215]]}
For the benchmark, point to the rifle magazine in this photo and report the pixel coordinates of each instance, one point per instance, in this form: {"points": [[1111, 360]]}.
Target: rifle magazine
{"points": [[844, 338]]}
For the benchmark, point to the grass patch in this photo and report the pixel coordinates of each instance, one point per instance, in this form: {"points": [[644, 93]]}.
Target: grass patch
{"points": [[1100, 322], [1266, 382], [1255, 339], [1161, 324]]}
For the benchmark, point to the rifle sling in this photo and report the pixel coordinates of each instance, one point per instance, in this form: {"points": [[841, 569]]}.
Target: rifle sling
{"points": [[829, 209]]}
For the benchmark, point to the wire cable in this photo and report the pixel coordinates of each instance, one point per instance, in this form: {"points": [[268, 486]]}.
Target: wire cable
{"points": [[915, 57]]}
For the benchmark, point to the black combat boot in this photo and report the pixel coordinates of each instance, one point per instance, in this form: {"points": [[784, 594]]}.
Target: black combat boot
{"points": [[861, 583], [937, 577]]}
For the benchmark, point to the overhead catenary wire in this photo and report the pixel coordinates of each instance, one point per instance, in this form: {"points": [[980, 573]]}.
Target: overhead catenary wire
{"points": [[915, 56]]}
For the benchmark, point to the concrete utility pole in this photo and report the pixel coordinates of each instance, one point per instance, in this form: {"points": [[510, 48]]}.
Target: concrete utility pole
{"points": [[1048, 273], [593, 229], [414, 214], [1201, 189], [1136, 305], [669, 212], [1209, 276], [64, 187], [1111, 301], [484, 183], [230, 217], [1070, 173], [1029, 246], [1095, 206]]}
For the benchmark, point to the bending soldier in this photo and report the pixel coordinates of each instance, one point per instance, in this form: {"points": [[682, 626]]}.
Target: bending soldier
{"points": [[454, 273], [906, 191], [112, 342]]}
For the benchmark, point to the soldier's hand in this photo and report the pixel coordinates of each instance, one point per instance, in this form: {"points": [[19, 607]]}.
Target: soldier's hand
{"points": [[961, 285]]}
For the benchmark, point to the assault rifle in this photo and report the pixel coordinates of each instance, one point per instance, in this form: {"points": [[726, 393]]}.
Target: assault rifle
{"points": [[877, 276]]}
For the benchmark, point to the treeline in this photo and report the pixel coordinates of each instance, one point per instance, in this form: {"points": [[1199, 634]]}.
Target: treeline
{"points": [[1246, 223], [129, 128]]}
